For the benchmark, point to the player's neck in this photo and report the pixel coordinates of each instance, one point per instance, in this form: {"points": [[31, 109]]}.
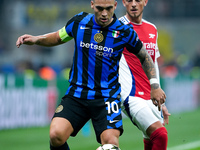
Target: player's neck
{"points": [[137, 19]]}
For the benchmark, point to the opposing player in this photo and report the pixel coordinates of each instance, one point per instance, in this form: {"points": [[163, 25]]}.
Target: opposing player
{"points": [[94, 91], [136, 89]]}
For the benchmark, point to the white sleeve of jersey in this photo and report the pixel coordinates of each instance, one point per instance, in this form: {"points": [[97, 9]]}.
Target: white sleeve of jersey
{"points": [[157, 54], [157, 50], [157, 70]]}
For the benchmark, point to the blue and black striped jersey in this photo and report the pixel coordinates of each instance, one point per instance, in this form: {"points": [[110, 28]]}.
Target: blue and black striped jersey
{"points": [[94, 72]]}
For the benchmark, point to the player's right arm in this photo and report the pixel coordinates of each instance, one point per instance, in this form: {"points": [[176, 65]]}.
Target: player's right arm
{"points": [[48, 40]]}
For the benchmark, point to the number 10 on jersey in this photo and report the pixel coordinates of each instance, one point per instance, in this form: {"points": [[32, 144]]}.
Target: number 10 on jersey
{"points": [[112, 107]]}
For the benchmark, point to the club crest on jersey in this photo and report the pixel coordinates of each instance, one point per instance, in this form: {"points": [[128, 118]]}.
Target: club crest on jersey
{"points": [[98, 37], [151, 36], [59, 109], [115, 34]]}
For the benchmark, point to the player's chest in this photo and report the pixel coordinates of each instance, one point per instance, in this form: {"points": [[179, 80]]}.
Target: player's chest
{"points": [[99, 39]]}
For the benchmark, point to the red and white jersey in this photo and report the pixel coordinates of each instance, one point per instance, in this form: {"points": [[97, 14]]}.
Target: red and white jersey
{"points": [[132, 77]]}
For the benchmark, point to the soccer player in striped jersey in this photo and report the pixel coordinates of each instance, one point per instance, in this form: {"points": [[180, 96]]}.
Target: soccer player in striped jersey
{"points": [[94, 91], [135, 86]]}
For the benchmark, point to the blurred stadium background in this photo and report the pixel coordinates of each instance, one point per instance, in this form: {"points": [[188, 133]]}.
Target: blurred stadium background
{"points": [[33, 79]]}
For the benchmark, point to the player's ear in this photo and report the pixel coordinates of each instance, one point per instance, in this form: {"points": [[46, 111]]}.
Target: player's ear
{"points": [[92, 4], [115, 4], [145, 2], [123, 1]]}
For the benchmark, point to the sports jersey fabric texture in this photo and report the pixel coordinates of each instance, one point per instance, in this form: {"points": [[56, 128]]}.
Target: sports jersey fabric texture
{"points": [[133, 73], [94, 72]]}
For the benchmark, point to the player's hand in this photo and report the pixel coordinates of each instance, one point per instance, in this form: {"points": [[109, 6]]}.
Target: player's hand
{"points": [[157, 96], [26, 39], [166, 115]]}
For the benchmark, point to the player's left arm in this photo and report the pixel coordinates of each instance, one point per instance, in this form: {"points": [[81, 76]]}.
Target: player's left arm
{"points": [[157, 94]]}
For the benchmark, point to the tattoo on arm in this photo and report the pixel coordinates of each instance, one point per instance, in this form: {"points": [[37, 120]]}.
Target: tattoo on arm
{"points": [[147, 63], [155, 86]]}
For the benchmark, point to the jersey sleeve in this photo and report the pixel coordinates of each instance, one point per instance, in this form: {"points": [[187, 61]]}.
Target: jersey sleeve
{"points": [[157, 49], [135, 44], [66, 32], [64, 36]]}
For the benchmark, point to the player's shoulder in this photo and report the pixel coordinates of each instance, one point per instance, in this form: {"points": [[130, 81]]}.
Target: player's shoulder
{"points": [[120, 25], [126, 30], [125, 23], [124, 20], [150, 24], [82, 15]]}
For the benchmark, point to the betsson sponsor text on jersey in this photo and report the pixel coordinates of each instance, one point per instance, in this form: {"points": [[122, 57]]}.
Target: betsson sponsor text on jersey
{"points": [[100, 50]]}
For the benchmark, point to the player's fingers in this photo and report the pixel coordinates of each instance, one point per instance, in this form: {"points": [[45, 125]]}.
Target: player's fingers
{"points": [[154, 102], [159, 105], [166, 115], [20, 41], [166, 120], [164, 123], [162, 99], [165, 96]]}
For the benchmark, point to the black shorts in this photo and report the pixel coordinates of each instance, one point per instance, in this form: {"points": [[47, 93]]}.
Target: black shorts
{"points": [[105, 113]]}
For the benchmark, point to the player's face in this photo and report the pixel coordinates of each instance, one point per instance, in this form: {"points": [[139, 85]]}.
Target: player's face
{"points": [[134, 9], [104, 11]]}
